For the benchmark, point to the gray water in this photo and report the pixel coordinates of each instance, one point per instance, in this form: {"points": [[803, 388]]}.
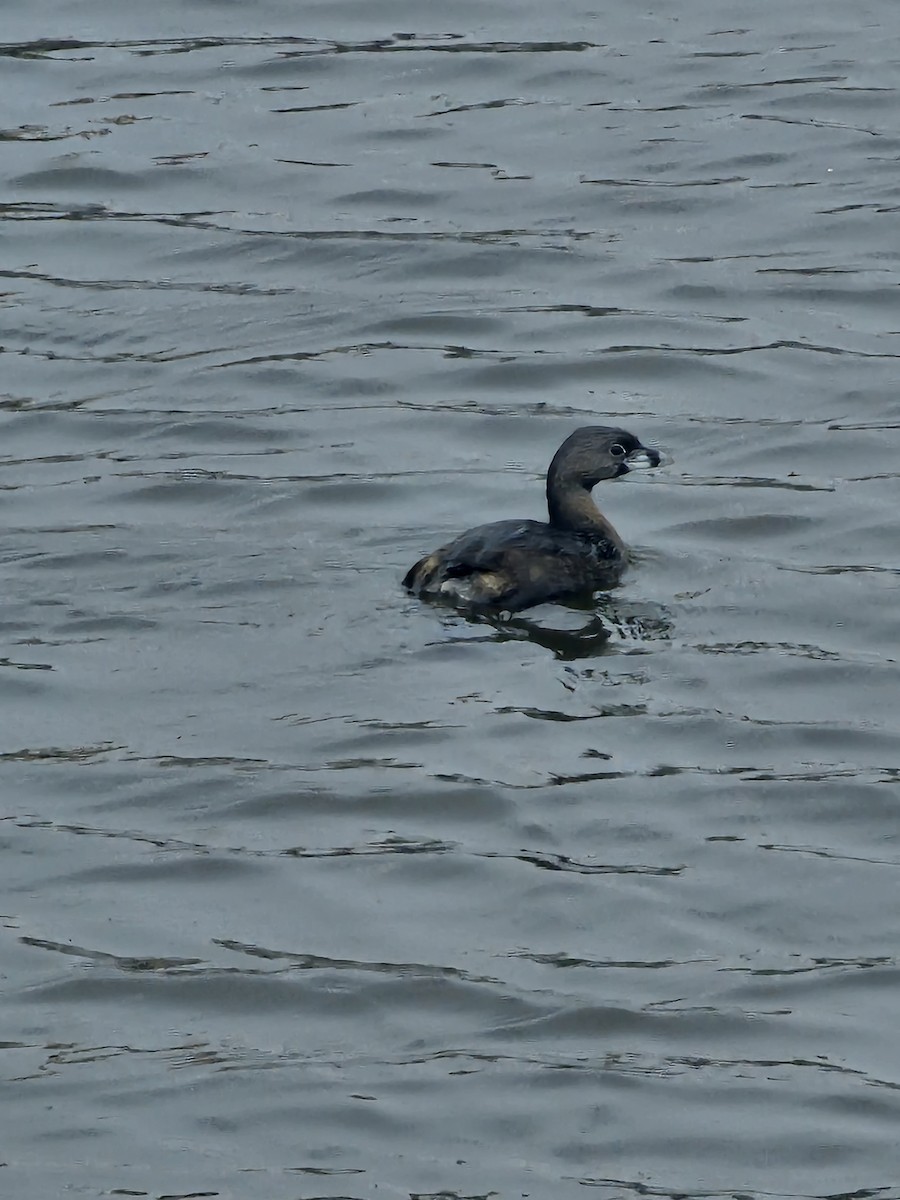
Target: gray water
{"points": [[311, 890]]}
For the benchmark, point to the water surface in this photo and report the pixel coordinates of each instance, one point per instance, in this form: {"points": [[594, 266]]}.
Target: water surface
{"points": [[315, 891]]}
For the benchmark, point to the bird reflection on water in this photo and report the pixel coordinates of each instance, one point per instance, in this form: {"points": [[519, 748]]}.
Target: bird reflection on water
{"points": [[606, 627]]}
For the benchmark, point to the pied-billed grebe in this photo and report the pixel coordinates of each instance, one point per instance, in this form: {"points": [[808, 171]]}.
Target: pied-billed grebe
{"points": [[510, 565]]}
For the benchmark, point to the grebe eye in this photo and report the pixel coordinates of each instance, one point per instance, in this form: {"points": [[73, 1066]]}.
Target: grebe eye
{"points": [[617, 451]]}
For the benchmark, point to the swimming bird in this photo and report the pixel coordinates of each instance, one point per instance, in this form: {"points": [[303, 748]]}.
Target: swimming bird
{"points": [[506, 566]]}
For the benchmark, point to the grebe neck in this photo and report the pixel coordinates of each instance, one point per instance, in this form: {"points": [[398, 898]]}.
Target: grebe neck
{"points": [[571, 507]]}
